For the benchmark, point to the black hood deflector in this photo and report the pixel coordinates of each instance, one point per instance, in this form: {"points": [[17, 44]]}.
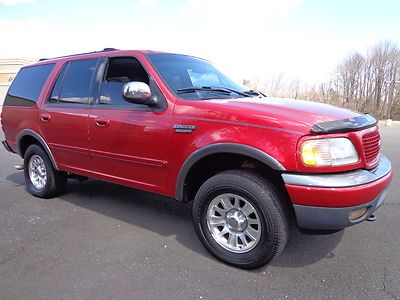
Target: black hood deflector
{"points": [[345, 125]]}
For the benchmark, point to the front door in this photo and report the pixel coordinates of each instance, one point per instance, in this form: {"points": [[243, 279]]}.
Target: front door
{"points": [[129, 143]]}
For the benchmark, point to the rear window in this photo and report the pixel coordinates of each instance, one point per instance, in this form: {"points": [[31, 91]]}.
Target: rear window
{"points": [[27, 85]]}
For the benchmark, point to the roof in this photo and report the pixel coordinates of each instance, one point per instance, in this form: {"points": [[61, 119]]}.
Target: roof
{"points": [[95, 54], [91, 54], [78, 54]]}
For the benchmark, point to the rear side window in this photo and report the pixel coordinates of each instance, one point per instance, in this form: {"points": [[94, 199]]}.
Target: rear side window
{"points": [[27, 85], [74, 82]]}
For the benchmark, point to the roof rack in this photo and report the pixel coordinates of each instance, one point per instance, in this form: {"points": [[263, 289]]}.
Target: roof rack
{"points": [[104, 50]]}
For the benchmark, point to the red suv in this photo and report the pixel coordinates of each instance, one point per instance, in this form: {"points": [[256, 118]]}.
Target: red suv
{"points": [[174, 125]]}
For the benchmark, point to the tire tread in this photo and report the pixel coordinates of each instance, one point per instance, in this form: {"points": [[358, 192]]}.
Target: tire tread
{"points": [[252, 183], [56, 180]]}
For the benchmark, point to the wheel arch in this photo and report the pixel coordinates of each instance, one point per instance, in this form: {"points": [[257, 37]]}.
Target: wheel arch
{"points": [[230, 149], [28, 137]]}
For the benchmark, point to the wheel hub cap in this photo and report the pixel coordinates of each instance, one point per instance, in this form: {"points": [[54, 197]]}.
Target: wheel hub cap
{"points": [[233, 223], [37, 172], [236, 220]]}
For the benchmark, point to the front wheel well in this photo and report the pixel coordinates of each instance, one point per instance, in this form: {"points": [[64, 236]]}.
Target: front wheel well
{"points": [[212, 164]]}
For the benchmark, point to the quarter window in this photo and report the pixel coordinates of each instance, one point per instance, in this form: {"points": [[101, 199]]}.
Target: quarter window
{"points": [[27, 85]]}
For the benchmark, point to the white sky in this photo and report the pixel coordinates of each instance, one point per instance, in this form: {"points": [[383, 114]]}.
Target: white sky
{"points": [[249, 38]]}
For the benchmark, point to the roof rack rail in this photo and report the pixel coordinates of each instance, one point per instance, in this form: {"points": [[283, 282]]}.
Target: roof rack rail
{"points": [[104, 50]]}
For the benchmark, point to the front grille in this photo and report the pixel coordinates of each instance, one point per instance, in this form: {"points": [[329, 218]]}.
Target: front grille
{"points": [[371, 143]]}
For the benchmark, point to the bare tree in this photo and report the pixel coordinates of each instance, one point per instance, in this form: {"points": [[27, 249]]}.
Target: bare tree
{"points": [[366, 83]]}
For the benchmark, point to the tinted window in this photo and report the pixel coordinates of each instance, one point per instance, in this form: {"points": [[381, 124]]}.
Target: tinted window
{"points": [[57, 86], [77, 81], [27, 85]]}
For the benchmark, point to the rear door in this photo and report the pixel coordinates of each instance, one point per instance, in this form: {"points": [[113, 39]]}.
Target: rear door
{"points": [[64, 117]]}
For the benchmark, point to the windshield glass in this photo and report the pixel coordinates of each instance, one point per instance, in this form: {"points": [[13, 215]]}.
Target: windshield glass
{"points": [[181, 73]]}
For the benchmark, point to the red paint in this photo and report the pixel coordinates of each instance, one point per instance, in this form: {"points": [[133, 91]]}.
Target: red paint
{"points": [[142, 150], [132, 149], [338, 197], [67, 136]]}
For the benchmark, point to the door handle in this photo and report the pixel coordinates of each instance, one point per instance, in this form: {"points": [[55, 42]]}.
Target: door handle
{"points": [[102, 122], [45, 117]]}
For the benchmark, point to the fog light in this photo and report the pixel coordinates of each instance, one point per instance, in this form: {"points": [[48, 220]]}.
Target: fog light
{"points": [[358, 213]]}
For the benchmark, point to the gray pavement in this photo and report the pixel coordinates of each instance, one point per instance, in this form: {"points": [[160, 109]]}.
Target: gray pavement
{"points": [[102, 241]]}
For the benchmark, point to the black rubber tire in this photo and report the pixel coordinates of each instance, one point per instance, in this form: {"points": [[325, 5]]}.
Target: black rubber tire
{"points": [[56, 180], [264, 198]]}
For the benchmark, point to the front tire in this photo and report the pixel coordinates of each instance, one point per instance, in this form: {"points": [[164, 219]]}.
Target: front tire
{"points": [[240, 219], [42, 180]]}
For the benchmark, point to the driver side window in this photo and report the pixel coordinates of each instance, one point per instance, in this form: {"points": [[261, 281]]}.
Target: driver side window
{"points": [[119, 71]]}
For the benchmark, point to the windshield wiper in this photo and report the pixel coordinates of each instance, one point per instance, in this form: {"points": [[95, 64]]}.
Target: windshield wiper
{"points": [[255, 93], [223, 90], [201, 88], [234, 91]]}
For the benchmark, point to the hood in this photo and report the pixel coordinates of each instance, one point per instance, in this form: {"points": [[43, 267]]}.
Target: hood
{"points": [[292, 114]]}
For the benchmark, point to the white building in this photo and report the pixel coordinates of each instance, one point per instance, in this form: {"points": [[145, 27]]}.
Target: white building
{"points": [[8, 69]]}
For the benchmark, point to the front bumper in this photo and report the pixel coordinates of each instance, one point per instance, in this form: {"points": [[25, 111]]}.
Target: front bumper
{"points": [[330, 218], [324, 201]]}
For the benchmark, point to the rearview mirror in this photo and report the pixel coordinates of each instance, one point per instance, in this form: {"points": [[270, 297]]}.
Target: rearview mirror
{"points": [[137, 92]]}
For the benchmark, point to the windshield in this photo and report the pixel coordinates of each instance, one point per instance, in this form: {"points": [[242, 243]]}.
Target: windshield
{"points": [[194, 78]]}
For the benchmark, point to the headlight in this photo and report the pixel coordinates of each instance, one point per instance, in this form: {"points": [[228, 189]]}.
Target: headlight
{"points": [[328, 152]]}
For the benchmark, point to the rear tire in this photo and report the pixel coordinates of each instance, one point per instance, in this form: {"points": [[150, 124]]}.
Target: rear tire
{"points": [[240, 219], [42, 180]]}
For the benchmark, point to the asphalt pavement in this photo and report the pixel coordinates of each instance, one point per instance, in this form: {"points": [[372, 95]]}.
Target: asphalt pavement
{"points": [[103, 241]]}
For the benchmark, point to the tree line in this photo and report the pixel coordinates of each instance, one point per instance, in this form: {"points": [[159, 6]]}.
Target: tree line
{"points": [[365, 83]]}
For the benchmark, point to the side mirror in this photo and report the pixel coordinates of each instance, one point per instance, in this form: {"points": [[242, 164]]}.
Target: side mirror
{"points": [[138, 92]]}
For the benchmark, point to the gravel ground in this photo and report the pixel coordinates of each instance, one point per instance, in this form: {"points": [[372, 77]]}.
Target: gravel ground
{"points": [[101, 240]]}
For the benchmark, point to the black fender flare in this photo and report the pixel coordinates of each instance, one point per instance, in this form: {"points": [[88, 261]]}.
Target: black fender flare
{"points": [[40, 139], [222, 148]]}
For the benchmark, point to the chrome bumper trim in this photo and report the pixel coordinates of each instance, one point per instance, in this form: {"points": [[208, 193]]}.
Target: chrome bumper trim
{"points": [[340, 180]]}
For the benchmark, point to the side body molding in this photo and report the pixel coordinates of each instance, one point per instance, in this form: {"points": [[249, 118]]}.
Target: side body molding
{"points": [[29, 132], [222, 148]]}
